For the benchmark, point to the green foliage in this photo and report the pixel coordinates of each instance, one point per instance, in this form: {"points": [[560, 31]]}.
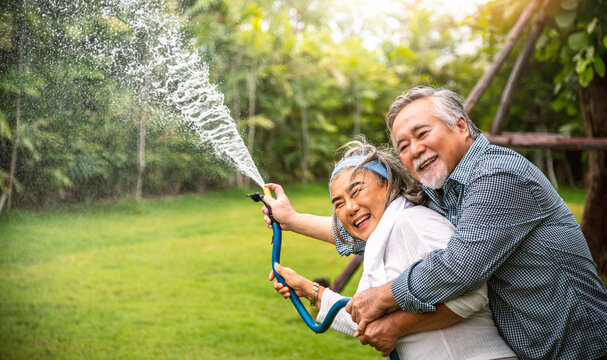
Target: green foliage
{"points": [[317, 91], [577, 41], [304, 66], [536, 106]]}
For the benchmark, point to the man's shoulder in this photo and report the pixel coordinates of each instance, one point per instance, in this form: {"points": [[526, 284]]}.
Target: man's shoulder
{"points": [[500, 160], [504, 175]]}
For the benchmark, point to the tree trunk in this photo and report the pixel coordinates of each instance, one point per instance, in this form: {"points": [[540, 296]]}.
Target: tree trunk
{"points": [[143, 118], [11, 176], [252, 94], [482, 85], [13, 168], [235, 93], [550, 169], [594, 113], [547, 153], [357, 113], [305, 133], [567, 172]]}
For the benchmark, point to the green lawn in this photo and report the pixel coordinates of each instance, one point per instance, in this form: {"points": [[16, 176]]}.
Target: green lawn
{"points": [[181, 278]]}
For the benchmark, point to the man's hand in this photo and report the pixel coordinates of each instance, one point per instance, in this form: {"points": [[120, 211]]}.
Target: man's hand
{"points": [[370, 304], [382, 334]]}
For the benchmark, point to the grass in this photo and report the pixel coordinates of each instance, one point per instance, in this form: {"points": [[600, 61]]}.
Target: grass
{"points": [[575, 199], [180, 278]]}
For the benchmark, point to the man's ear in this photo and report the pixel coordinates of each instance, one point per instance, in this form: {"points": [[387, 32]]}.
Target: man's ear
{"points": [[462, 126]]}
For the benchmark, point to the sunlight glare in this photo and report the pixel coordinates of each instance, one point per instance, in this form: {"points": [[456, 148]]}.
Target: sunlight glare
{"points": [[364, 16], [457, 9]]}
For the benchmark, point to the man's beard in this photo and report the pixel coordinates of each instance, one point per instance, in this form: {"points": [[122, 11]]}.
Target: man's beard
{"points": [[436, 178]]}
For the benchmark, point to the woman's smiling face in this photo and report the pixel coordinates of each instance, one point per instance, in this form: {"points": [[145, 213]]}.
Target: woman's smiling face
{"points": [[359, 201]]}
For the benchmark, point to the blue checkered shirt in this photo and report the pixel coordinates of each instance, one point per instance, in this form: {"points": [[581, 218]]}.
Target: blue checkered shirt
{"points": [[514, 232]]}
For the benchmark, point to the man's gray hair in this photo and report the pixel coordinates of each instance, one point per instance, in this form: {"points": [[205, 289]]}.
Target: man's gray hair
{"points": [[446, 106]]}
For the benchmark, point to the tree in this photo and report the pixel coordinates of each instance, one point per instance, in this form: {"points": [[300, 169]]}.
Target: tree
{"points": [[11, 177]]}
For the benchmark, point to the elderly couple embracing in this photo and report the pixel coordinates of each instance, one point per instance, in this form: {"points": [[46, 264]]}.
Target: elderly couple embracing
{"points": [[469, 252]]}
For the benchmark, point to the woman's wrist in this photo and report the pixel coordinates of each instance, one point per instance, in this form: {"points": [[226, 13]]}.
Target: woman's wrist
{"points": [[321, 290], [314, 293], [299, 223]]}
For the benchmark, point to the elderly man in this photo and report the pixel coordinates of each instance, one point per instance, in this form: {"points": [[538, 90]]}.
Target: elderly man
{"points": [[513, 232]]}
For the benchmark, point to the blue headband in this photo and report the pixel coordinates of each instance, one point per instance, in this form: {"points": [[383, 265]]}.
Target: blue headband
{"points": [[354, 161]]}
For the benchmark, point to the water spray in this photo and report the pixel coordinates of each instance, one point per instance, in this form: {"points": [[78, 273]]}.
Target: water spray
{"points": [[276, 246]]}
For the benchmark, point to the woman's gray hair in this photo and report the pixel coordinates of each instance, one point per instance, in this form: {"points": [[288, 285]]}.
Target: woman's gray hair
{"points": [[446, 106], [399, 182]]}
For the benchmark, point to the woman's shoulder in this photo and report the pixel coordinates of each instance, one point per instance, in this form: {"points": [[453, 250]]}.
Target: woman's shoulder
{"points": [[421, 215], [427, 225]]}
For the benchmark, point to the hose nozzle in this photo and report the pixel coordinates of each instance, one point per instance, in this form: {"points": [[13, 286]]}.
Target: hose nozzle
{"points": [[258, 197]]}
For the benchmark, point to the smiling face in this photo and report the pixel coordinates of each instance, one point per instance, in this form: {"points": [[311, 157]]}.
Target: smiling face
{"points": [[428, 148], [359, 201]]}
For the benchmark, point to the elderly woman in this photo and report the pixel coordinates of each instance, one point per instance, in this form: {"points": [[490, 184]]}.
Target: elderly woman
{"points": [[375, 200]]}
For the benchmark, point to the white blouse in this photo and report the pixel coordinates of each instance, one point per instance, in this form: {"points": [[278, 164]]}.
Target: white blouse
{"points": [[416, 233]]}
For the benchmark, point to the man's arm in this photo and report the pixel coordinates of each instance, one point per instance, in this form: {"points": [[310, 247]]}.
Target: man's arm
{"points": [[497, 212], [383, 333]]}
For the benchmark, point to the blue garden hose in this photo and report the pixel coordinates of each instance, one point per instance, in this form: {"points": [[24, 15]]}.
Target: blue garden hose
{"points": [[276, 246], [317, 328]]}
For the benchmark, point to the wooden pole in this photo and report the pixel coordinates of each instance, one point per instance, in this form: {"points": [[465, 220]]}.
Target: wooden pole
{"points": [[482, 85], [547, 141], [515, 75], [343, 278]]}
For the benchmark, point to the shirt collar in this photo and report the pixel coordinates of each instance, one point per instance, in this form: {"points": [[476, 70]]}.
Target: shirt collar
{"points": [[464, 168]]}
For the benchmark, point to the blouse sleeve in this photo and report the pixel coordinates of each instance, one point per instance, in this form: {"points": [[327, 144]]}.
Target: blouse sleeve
{"points": [[464, 306], [343, 321]]}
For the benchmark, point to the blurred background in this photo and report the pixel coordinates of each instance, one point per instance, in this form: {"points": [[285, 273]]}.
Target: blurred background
{"points": [[300, 78]]}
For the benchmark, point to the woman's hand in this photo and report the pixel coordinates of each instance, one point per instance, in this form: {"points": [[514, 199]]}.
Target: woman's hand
{"points": [[282, 210], [299, 284], [294, 280], [314, 226]]}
